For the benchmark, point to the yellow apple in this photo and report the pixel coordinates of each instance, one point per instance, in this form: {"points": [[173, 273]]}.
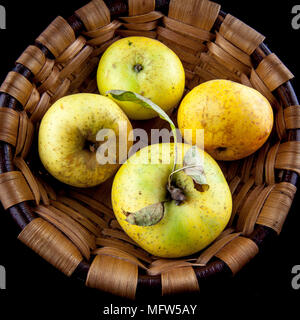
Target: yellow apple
{"points": [[144, 66], [68, 141], [186, 227], [237, 120]]}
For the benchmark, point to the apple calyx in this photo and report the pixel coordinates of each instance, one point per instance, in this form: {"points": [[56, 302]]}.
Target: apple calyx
{"points": [[138, 68], [147, 216]]}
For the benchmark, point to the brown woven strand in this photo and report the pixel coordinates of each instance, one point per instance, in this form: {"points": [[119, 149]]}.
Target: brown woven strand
{"points": [[113, 275], [240, 34], [14, 189], [33, 59], [273, 72], [94, 15], [181, 280], [138, 7], [288, 156], [198, 13], [57, 36], [277, 206], [237, 253], [292, 117], [50, 244], [9, 124], [17, 86]]}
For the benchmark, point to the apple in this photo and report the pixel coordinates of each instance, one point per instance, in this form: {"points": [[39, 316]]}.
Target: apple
{"points": [[67, 140], [192, 217], [144, 66], [237, 120]]}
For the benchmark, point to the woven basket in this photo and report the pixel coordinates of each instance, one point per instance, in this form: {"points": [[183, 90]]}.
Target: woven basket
{"points": [[75, 230]]}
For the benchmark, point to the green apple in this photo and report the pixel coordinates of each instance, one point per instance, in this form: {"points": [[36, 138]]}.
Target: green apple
{"points": [[67, 141], [144, 66], [187, 225]]}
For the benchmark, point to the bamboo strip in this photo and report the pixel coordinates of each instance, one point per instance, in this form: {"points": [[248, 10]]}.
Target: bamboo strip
{"points": [[76, 62], [33, 100], [247, 206], [92, 203], [57, 36], [44, 73], [80, 218], [213, 249], [14, 189], [136, 33], [17, 86], [119, 244], [50, 216], [280, 124], [61, 90], [187, 30], [254, 210], [94, 15], [72, 50], [240, 34], [260, 86], [147, 17], [288, 156], [82, 210], [99, 50], [270, 164], [23, 167], [237, 253], [273, 72], [276, 207], [292, 117], [239, 198], [180, 39], [43, 192], [181, 280], [9, 125], [118, 235], [113, 275], [233, 50], [119, 254], [138, 7], [41, 108], [33, 59], [161, 266], [198, 13], [49, 243], [103, 30], [101, 39], [51, 83], [260, 163], [146, 26]]}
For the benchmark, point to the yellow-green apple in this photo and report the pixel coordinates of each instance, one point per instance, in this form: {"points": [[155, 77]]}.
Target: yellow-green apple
{"points": [[144, 66], [69, 138], [237, 120], [177, 222]]}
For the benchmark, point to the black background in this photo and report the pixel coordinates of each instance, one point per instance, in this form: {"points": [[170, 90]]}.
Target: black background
{"points": [[35, 289]]}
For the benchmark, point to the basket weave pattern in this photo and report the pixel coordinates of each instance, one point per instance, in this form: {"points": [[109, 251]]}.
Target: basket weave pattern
{"points": [[75, 230]]}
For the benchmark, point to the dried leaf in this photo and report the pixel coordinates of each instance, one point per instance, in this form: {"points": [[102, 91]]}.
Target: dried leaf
{"points": [[147, 216], [193, 167]]}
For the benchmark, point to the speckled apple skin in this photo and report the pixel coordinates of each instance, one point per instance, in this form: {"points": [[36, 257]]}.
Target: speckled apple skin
{"points": [[64, 130], [162, 78], [185, 229], [237, 120]]}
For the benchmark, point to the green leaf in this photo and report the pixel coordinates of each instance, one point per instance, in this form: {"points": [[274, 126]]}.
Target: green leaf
{"points": [[147, 216], [193, 167], [122, 95]]}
